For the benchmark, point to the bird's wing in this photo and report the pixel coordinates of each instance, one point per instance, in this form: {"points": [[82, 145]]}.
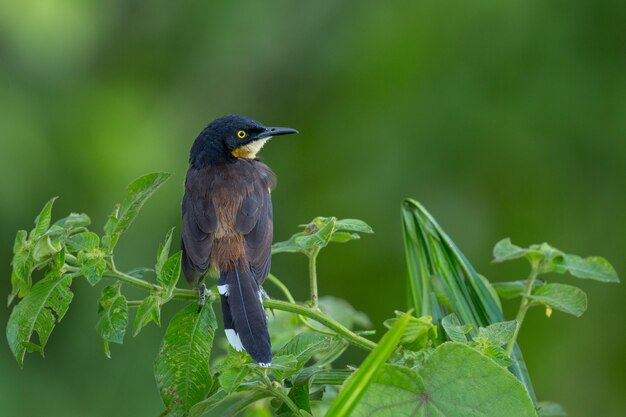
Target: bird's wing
{"points": [[254, 221], [199, 224]]}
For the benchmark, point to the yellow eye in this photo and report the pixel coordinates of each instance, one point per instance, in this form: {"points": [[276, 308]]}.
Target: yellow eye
{"points": [[241, 134]]}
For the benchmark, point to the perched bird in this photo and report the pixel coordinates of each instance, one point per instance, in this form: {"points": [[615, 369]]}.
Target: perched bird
{"points": [[227, 225]]}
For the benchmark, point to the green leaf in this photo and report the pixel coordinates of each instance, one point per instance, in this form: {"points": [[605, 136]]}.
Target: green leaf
{"points": [[353, 225], [85, 241], [431, 253], [47, 246], [355, 387], [455, 381], [593, 267], [342, 237], [418, 333], [498, 333], [303, 346], [550, 409], [113, 312], [92, 265], [74, 220], [42, 307], [454, 329], [149, 310], [22, 264], [137, 194], [181, 368], [203, 407], [164, 252], [230, 378], [42, 222], [284, 364], [504, 250], [562, 297], [168, 274]]}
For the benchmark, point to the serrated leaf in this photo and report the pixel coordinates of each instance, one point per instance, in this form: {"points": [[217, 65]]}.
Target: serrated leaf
{"points": [[454, 381], [149, 310], [284, 364], [562, 297], [113, 312], [42, 222], [164, 252], [46, 247], [498, 334], [22, 264], [137, 194], [230, 378], [551, 409], [454, 329], [124, 214], [84, 241], [497, 353], [169, 273], [302, 347], [354, 389], [181, 368], [42, 307], [353, 225], [92, 265], [74, 220], [593, 267]]}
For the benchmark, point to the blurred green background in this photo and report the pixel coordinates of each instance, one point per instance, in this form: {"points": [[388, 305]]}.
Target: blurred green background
{"points": [[503, 118]]}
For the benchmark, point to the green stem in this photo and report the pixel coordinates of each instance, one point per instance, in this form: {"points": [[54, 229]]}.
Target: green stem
{"points": [[323, 319], [283, 396], [524, 305], [313, 277], [290, 307], [290, 298], [131, 280]]}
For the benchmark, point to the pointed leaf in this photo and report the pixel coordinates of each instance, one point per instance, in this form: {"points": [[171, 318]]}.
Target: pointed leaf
{"points": [[342, 237], [566, 298], [355, 387], [181, 368], [204, 406], [149, 310], [230, 378], [42, 222], [594, 267], [504, 250], [42, 307], [22, 264], [454, 381], [113, 312], [169, 273], [164, 252]]}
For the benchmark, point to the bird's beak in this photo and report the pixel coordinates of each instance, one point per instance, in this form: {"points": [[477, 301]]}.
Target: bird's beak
{"points": [[275, 131]]}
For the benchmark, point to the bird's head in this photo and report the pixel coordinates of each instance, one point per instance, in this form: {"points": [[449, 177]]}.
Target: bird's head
{"points": [[231, 137]]}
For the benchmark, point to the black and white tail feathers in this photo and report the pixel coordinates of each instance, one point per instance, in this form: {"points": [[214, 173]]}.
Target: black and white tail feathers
{"points": [[245, 321]]}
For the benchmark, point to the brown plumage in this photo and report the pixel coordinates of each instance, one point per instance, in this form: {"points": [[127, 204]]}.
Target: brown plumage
{"points": [[227, 224]]}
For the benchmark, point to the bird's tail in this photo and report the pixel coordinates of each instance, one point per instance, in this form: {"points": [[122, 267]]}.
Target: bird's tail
{"points": [[245, 321]]}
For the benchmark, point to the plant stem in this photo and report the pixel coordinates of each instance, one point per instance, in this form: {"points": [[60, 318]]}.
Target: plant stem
{"points": [[323, 319], [313, 276], [524, 305], [290, 298], [131, 280], [291, 307], [283, 396]]}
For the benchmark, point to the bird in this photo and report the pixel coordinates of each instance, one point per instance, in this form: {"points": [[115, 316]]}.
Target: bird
{"points": [[227, 225]]}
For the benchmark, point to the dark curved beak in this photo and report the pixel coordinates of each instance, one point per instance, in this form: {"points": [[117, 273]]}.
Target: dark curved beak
{"points": [[275, 131]]}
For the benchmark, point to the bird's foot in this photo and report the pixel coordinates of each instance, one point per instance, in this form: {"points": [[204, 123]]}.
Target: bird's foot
{"points": [[202, 298]]}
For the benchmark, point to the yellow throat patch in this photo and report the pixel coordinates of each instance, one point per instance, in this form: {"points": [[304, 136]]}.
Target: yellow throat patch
{"points": [[250, 150]]}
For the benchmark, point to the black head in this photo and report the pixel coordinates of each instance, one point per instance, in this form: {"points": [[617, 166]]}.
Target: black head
{"points": [[231, 137]]}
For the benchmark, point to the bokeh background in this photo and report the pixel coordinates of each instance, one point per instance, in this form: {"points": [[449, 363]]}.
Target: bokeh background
{"points": [[503, 118]]}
